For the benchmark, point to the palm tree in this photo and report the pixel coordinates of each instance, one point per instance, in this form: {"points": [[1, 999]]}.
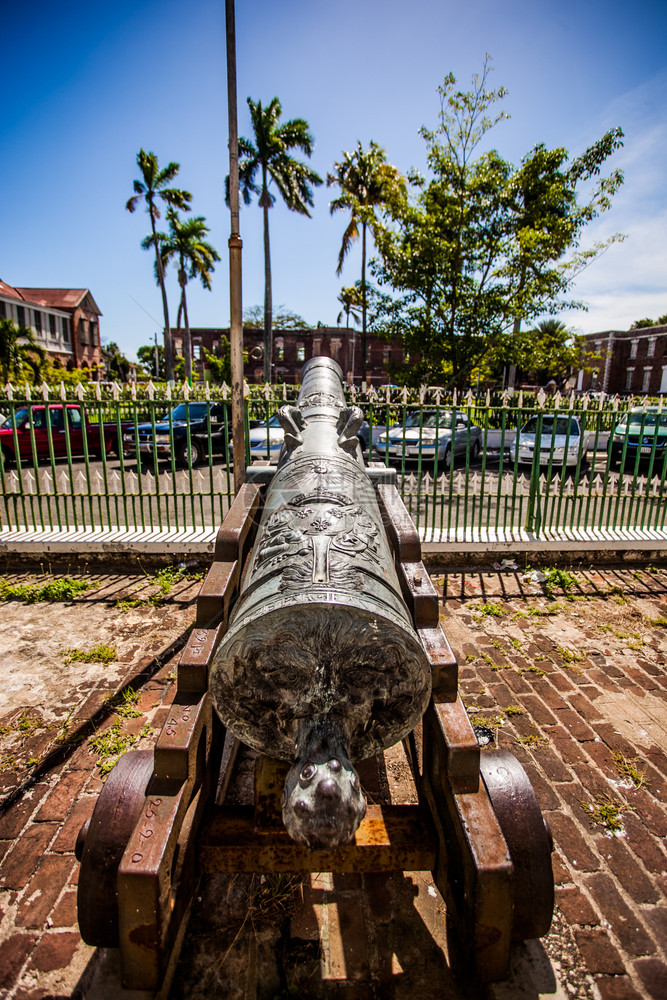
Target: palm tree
{"points": [[350, 299], [367, 182], [19, 347], [269, 158], [196, 259], [155, 184]]}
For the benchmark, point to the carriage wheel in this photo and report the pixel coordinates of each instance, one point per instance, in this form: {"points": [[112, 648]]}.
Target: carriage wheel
{"points": [[101, 843], [528, 839]]}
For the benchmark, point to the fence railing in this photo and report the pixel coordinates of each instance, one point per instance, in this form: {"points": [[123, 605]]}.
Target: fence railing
{"points": [[159, 459]]}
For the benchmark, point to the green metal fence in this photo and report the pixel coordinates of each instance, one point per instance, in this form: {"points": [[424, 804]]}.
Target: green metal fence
{"points": [[108, 458]]}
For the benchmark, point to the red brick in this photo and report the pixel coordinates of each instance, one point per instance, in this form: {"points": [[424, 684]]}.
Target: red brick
{"points": [[616, 988], [575, 907], [55, 951], [567, 747], [624, 923], [614, 740], [598, 952], [594, 782], [562, 874], [648, 811], [644, 844], [575, 794], [574, 724], [653, 974], [59, 802], [43, 889], [602, 756], [16, 817], [516, 682], [658, 759], [13, 953], [584, 707], [21, 862], [553, 766], [637, 885], [569, 837], [538, 710], [563, 684], [82, 811], [65, 913], [656, 918]]}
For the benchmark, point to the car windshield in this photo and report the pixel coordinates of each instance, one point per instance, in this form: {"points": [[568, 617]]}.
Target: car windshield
{"points": [[17, 419], [429, 418], [650, 419], [196, 411], [548, 426]]}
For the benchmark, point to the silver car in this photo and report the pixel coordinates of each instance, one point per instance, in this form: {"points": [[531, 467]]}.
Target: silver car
{"points": [[428, 434], [560, 441]]}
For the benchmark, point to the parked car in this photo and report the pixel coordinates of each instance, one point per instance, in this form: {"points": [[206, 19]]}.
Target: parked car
{"points": [[640, 430], [427, 434], [266, 440], [16, 431], [173, 434], [556, 436]]}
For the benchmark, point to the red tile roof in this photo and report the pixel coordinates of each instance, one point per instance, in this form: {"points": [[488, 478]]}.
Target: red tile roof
{"points": [[10, 292], [63, 298]]}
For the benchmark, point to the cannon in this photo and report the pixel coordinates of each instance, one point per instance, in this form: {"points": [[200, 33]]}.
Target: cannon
{"points": [[318, 644]]}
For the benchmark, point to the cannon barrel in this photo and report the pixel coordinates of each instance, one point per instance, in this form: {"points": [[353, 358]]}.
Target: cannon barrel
{"points": [[321, 664]]}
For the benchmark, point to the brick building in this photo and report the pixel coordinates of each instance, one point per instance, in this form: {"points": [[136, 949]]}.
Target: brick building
{"points": [[291, 348], [630, 362], [66, 321]]}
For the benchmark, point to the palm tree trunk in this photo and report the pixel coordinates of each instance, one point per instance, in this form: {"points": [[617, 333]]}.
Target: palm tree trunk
{"points": [[168, 353], [187, 345], [268, 307], [363, 304]]}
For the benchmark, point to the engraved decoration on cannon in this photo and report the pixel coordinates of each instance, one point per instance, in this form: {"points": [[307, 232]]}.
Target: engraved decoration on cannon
{"points": [[321, 665]]}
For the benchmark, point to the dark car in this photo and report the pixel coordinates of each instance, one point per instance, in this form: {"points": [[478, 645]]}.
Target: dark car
{"points": [[642, 429], [171, 434]]}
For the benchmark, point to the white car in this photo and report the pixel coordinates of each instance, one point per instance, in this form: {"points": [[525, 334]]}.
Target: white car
{"points": [[560, 441], [266, 440]]}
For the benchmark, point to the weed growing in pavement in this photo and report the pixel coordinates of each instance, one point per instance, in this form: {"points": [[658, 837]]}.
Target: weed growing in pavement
{"points": [[556, 577], [62, 588], [516, 643], [531, 742], [532, 670], [8, 763], [165, 580], [490, 721], [489, 610], [102, 653], [627, 770], [110, 745], [24, 723], [605, 812], [535, 611], [659, 622], [124, 704], [511, 710], [569, 658]]}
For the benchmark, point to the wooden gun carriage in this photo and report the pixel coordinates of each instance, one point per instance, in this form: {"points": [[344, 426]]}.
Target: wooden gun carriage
{"points": [[161, 820]]}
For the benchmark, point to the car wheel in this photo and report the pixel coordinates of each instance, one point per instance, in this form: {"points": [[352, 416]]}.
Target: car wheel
{"points": [[196, 454], [7, 458], [474, 451], [447, 459]]}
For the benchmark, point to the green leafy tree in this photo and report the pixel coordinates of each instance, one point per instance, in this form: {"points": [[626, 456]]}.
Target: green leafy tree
{"points": [[283, 319], [146, 355], [367, 184], [483, 245], [21, 357], [154, 186], [196, 259], [267, 161], [118, 366], [639, 323], [549, 352]]}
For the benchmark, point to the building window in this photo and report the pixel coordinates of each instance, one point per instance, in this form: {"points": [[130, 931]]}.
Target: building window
{"points": [[386, 355], [650, 349], [196, 351], [335, 348], [84, 331], [628, 379], [3, 310], [280, 349], [52, 325], [93, 333], [300, 352], [633, 348], [37, 321], [20, 315], [65, 329], [646, 381]]}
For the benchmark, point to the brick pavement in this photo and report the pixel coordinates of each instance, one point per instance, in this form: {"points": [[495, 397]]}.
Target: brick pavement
{"points": [[586, 687]]}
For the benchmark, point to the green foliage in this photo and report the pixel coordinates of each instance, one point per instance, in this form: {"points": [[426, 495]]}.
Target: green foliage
{"points": [[627, 769], [118, 366], [489, 609], [110, 745], [21, 357], [605, 812], [63, 588], [283, 319], [484, 245], [556, 577], [101, 653], [124, 704]]}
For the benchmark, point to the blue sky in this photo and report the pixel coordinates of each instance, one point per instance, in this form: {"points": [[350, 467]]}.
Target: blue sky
{"points": [[86, 85]]}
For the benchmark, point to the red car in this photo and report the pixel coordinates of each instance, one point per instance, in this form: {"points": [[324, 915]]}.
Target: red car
{"points": [[16, 433]]}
